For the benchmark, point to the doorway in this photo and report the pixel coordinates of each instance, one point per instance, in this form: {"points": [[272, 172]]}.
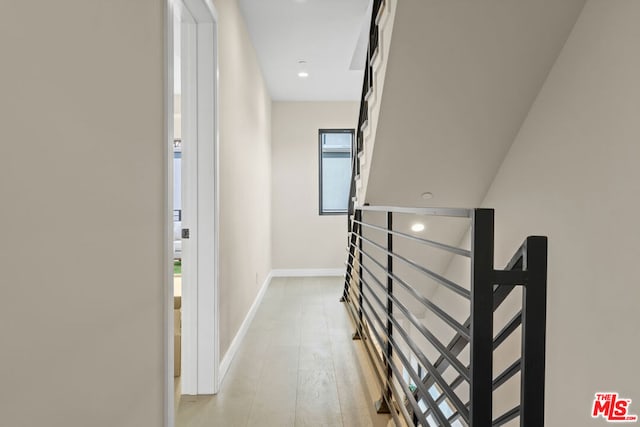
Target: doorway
{"points": [[192, 195]]}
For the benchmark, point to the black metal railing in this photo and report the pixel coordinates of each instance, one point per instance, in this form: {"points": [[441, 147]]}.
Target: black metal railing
{"points": [[367, 88], [404, 327]]}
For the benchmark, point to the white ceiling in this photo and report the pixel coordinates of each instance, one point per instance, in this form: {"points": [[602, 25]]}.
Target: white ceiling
{"points": [[324, 33]]}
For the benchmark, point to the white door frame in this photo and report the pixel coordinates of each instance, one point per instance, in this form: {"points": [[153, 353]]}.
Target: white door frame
{"points": [[200, 325], [189, 192]]}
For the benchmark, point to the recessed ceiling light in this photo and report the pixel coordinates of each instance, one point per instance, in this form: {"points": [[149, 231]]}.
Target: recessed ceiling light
{"points": [[303, 74], [427, 195], [417, 227]]}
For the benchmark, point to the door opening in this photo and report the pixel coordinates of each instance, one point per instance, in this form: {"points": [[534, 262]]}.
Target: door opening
{"points": [[192, 194]]}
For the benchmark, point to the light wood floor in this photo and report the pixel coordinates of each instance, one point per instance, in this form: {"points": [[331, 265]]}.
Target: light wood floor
{"points": [[296, 367]]}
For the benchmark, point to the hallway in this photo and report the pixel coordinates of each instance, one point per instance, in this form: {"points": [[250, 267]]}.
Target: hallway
{"points": [[296, 367]]}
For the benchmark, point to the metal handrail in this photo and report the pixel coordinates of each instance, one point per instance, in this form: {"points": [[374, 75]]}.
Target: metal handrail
{"points": [[376, 309], [367, 86], [420, 298], [450, 212], [430, 368], [432, 243], [381, 344], [433, 340], [431, 274]]}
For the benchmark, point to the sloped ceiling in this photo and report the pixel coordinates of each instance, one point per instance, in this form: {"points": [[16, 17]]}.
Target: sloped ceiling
{"points": [[460, 80]]}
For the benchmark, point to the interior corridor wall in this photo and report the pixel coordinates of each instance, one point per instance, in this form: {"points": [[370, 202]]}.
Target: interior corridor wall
{"points": [[245, 172], [572, 174], [303, 239], [82, 189]]}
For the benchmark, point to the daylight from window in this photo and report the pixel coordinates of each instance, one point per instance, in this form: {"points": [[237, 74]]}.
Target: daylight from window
{"points": [[335, 170]]}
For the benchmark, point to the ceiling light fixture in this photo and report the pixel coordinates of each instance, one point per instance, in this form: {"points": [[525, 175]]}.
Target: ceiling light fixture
{"points": [[428, 195], [417, 227], [302, 67]]}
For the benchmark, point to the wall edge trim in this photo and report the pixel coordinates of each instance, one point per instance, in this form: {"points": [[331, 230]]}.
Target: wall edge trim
{"points": [[225, 364]]}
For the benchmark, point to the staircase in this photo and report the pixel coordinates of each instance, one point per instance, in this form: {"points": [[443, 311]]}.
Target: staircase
{"points": [[381, 29], [454, 341], [447, 87]]}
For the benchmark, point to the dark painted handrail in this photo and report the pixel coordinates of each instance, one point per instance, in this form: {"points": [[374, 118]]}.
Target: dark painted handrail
{"points": [[373, 281], [367, 87]]}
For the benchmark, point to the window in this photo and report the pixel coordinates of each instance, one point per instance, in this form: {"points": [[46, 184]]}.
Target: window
{"points": [[335, 170]]}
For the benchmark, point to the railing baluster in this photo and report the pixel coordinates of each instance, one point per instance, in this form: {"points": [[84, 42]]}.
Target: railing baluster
{"points": [[381, 406], [358, 333], [351, 238], [389, 292]]}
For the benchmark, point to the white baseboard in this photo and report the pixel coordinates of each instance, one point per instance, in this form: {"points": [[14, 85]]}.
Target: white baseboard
{"points": [[310, 272], [225, 364]]}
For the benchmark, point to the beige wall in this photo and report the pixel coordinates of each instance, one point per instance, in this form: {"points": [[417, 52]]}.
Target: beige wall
{"points": [[82, 189], [303, 239], [81, 179], [245, 173], [572, 174]]}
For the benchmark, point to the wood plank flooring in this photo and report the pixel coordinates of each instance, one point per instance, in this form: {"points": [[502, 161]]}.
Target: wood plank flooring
{"points": [[296, 367]]}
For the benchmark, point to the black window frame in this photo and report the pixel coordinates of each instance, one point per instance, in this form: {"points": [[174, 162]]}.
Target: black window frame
{"points": [[322, 132]]}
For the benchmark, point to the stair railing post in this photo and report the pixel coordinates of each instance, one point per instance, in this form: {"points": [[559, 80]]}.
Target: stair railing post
{"points": [[382, 406], [534, 318], [360, 269], [351, 241], [482, 275], [358, 334]]}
